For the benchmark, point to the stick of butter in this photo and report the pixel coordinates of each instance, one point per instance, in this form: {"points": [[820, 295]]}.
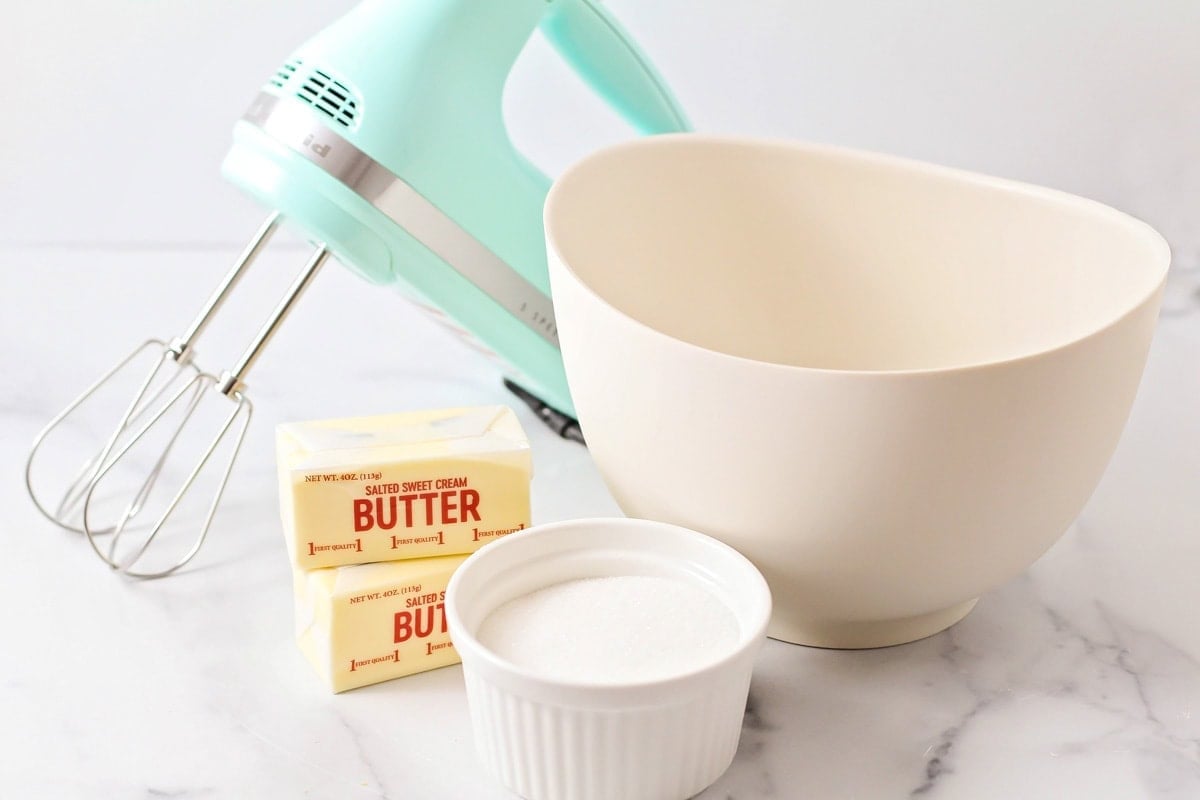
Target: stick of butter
{"points": [[368, 623], [426, 483]]}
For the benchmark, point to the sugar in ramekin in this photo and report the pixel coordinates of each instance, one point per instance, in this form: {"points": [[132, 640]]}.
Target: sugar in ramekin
{"points": [[549, 736]]}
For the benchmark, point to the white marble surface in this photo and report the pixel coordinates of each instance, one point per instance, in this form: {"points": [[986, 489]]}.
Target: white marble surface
{"points": [[1080, 679]]}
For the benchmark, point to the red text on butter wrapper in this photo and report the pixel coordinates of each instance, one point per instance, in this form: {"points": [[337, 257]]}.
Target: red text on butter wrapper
{"points": [[445, 501], [424, 616]]}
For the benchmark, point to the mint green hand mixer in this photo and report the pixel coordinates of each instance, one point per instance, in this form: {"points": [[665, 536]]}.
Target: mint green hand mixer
{"points": [[382, 140]]}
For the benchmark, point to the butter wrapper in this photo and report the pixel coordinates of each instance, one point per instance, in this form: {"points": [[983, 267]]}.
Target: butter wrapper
{"points": [[400, 486], [368, 623]]}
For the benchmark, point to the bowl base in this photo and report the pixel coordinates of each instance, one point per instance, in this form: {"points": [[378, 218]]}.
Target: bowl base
{"points": [[859, 635]]}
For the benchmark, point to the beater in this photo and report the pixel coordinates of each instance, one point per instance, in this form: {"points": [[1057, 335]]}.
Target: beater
{"points": [[381, 140]]}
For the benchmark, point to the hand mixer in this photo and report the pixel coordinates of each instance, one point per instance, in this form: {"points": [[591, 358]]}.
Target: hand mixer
{"points": [[382, 140]]}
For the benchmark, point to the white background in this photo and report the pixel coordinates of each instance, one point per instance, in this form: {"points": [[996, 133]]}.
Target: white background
{"points": [[119, 111]]}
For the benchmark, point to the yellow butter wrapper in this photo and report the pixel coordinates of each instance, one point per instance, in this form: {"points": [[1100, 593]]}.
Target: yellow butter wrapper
{"points": [[368, 623], [398, 486]]}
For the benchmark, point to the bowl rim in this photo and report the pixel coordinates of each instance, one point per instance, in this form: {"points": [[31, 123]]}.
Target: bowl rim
{"points": [[1137, 227], [657, 691]]}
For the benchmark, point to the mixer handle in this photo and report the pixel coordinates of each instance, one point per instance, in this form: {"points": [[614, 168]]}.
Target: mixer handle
{"points": [[604, 55]]}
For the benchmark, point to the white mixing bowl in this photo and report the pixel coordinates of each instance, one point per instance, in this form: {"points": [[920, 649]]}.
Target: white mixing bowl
{"points": [[891, 385]]}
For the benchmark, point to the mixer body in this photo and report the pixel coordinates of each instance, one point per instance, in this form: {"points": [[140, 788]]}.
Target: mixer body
{"points": [[383, 138]]}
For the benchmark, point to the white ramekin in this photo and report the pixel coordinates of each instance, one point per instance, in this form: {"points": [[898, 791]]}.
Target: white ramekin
{"points": [[558, 740]]}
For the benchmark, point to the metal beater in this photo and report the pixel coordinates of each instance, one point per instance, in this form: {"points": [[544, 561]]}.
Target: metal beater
{"points": [[174, 383]]}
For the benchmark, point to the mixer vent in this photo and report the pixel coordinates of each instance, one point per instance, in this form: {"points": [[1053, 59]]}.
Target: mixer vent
{"points": [[332, 98], [284, 73]]}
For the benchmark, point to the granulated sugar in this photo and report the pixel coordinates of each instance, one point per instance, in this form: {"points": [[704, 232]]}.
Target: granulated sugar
{"points": [[612, 630]]}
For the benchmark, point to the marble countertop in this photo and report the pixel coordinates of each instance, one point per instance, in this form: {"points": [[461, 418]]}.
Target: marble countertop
{"points": [[1081, 678]]}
